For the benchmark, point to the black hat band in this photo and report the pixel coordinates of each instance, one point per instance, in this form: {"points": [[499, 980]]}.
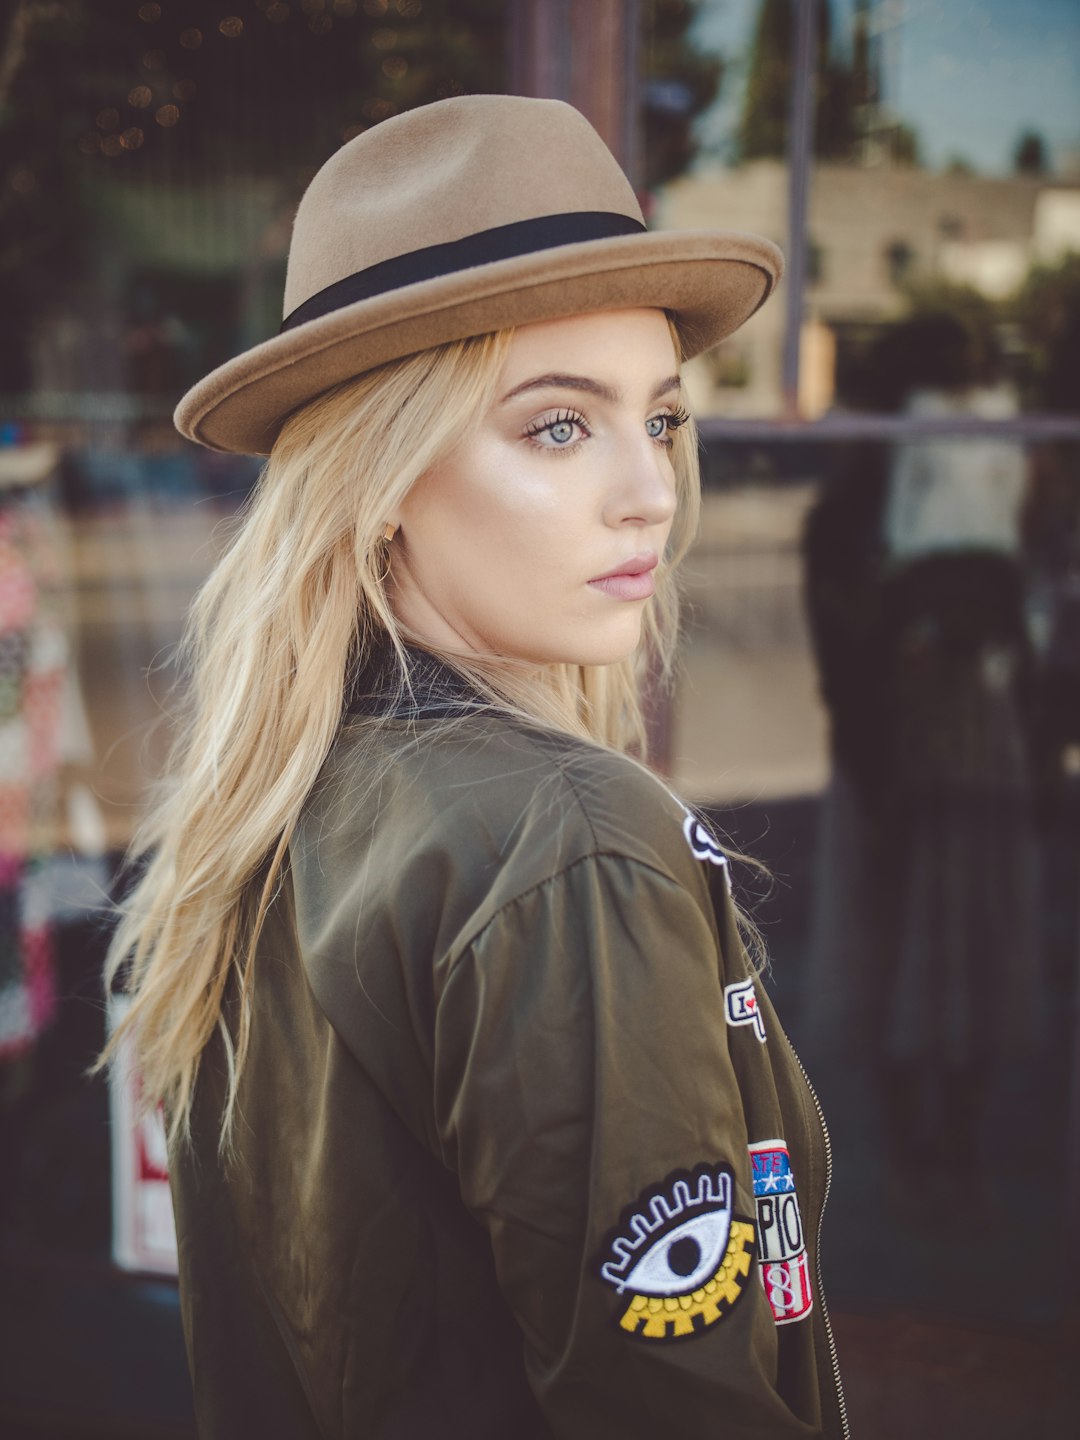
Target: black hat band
{"points": [[502, 242]]}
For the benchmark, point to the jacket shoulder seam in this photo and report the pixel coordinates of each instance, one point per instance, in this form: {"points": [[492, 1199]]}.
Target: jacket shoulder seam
{"points": [[564, 771], [561, 874]]}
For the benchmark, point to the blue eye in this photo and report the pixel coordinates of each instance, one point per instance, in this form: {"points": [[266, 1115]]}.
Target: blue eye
{"points": [[663, 427], [558, 432]]}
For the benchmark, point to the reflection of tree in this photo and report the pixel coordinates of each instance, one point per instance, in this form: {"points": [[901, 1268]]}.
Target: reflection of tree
{"points": [[763, 124], [952, 336], [1029, 157], [1048, 310], [848, 118], [680, 82], [948, 340]]}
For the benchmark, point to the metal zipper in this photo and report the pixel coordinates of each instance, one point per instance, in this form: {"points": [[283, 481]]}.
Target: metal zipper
{"points": [[841, 1402]]}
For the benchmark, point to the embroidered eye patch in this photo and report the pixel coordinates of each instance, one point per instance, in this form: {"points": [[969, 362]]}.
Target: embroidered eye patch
{"points": [[680, 1257]]}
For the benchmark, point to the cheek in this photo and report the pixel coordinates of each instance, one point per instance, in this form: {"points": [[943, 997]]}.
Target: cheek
{"points": [[507, 508]]}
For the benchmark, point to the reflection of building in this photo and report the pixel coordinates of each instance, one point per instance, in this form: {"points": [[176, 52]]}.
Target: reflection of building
{"points": [[871, 232]]}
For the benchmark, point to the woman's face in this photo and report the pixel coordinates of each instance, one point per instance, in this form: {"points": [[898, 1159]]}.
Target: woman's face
{"points": [[538, 537]]}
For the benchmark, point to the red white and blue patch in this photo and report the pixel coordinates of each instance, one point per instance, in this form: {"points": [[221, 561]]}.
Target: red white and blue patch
{"points": [[741, 1007], [782, 1257], [680, 1257]]}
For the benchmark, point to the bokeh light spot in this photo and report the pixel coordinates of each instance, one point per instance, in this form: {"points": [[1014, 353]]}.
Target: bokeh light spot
{"points": [[378, 109]]}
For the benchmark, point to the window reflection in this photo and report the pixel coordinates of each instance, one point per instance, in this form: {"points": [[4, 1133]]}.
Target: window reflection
{"points": [[150, 165], [732, 174], [947, 183], [947, 178], [882, 700]]}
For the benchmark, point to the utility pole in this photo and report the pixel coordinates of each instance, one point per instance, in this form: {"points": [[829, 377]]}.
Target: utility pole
{"points": [[586, 55]]}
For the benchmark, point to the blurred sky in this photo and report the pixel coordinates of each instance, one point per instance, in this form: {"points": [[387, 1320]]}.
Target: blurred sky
{"points": [[969, 75]]}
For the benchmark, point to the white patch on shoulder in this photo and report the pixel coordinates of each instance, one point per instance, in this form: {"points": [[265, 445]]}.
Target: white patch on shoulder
{"points": [[704, 845]]}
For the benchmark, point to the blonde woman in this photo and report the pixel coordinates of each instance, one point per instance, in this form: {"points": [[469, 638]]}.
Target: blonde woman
{"points": [[482, 1124]]}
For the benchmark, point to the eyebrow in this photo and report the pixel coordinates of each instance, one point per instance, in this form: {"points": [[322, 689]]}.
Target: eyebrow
{"points": [[584, 383]]}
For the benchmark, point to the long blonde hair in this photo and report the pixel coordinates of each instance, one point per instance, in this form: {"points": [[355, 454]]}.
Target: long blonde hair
{"points": [[300, 595]]}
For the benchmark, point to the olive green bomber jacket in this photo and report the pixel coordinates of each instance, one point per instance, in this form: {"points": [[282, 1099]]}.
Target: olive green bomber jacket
{"points": [[521, 1148]]}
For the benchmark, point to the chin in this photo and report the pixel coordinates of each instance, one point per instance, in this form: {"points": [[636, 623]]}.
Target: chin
{"points": [[604, 649]]}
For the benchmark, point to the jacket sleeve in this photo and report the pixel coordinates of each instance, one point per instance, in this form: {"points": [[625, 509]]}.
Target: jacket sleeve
{"points": [[586, 1099]]}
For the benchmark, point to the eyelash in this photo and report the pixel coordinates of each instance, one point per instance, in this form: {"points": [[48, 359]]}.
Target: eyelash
{"points": [[673, 420]]}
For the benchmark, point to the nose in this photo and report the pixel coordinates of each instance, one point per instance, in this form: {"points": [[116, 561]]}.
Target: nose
{"points": [[642, 485]]}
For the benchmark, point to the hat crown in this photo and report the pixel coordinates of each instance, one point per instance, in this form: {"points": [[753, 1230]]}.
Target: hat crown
{"points": [[445, 171]]}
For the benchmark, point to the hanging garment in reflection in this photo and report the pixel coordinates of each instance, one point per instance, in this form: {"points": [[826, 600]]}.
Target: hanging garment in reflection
{"points": [[33, 658], [925, 947], [956, 493], [955, 888]]}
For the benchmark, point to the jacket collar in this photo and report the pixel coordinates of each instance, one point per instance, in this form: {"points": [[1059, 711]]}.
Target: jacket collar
{"points": [[435, 690]]}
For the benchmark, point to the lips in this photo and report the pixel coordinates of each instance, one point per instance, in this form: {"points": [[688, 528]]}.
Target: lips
{"points": [[630, 580]]}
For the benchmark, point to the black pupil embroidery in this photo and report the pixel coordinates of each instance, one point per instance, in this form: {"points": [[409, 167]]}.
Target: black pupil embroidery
{"points": [[684, 1256]]}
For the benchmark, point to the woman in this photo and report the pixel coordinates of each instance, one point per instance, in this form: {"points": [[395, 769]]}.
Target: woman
{"points": [[480, 1123]]}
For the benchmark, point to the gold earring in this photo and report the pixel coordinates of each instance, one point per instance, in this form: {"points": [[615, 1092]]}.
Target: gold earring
{"points": [[389, 531]]}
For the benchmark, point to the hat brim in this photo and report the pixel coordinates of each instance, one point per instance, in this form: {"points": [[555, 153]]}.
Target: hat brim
{"points": [[711, 281]]}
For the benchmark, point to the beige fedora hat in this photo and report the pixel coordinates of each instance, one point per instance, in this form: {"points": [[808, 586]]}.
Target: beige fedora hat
{"points": [[468, 215]]}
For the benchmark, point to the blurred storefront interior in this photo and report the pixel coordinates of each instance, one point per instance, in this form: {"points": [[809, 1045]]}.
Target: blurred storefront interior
{"points": [[880, 690]]}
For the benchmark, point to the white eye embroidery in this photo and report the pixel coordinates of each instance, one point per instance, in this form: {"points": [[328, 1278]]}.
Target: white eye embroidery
{"points": [[684, 1258]]}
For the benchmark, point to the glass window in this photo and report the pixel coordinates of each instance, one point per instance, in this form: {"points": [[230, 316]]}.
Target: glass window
{"points": [[151, 158]]}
